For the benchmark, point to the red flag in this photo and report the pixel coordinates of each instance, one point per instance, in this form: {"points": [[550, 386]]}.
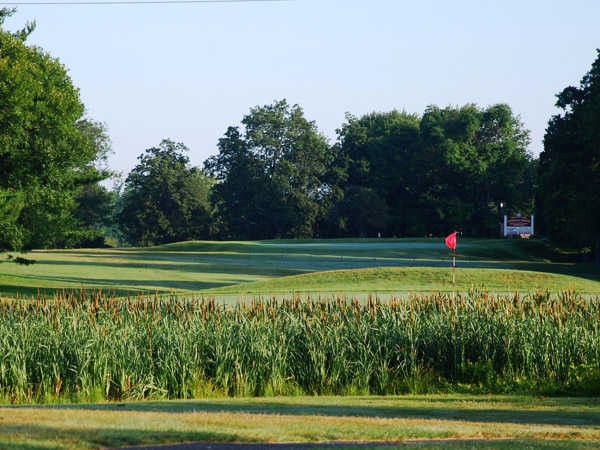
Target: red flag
{"points": [[451, 240]]}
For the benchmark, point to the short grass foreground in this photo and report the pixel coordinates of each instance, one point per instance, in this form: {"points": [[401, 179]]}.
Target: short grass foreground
{"points": [[98, 348], [353, 266], [570, 423]]}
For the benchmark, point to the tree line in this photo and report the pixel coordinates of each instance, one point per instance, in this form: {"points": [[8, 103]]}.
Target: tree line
{"points": [[387, 174], [277, 176]]}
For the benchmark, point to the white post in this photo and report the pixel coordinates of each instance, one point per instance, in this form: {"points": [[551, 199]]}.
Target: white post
{"points": [[532, 233], [454, 267], [505, 222]]}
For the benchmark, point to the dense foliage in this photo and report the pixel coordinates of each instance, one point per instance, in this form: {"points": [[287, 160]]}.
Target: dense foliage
{"points": [[390, 174], [164, 198], [47, 148], [568, 198], [98, 348], [451, 168], [271, 176]]}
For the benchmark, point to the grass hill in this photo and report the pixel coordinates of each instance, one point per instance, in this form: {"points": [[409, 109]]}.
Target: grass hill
{"points": [[351, 266]]}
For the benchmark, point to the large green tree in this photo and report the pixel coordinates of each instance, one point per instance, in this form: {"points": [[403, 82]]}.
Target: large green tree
{"points": [[568, 200], [240, 194], [375, 156], [472, 160], [271, 177], [43, 147], [400, 174], [164, 198]]}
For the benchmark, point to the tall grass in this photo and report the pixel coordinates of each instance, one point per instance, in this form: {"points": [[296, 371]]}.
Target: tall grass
{"points": [[76, 346]]}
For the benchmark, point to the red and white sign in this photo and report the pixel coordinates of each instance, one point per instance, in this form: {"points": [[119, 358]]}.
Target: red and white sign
{"points": [[518, 225]]}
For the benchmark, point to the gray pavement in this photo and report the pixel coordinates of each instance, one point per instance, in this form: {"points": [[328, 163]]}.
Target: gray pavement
{"points": [[310, 446]]}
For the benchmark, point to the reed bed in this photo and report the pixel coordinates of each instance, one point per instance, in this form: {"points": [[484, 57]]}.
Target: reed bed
{"points": [[77, 346]]}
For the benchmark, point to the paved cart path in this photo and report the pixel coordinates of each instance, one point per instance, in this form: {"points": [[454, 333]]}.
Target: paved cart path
{"points": [[307, 446]]}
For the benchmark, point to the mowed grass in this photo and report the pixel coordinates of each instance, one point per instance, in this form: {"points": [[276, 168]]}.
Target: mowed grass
{"points": [[327, 266], [393, 280], [528, 422], [344, 267]]}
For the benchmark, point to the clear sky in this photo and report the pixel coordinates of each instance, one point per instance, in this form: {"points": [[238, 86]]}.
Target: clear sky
{"points": [[187, 72]]}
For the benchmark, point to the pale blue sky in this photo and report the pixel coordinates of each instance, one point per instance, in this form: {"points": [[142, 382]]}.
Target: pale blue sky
{"points": [[186, 72]]}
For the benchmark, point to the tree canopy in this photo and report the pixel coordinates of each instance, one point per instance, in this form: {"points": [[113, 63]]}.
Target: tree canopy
{"points": [[375, 157], [270, 177], [473, 159], [405, 175], [164, 198], [43, 144], [568, 198]]}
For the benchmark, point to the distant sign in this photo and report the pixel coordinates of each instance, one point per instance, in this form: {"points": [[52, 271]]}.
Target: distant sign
{"points": [[518, 225]]}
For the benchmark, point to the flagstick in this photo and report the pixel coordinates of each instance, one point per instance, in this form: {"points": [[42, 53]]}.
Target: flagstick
{"points": [[454, 267]]}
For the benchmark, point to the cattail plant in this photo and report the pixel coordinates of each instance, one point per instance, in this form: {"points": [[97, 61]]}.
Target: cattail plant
{"points": [[87, 346]]}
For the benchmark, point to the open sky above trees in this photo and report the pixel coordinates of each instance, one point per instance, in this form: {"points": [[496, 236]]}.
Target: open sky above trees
{"points": [[188, 72]]}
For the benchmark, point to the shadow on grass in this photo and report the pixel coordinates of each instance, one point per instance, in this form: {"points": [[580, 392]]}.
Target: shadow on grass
{"points": [[284, 266], [248, 262], [119, 285], [284, 263], [406, 412], [243, 266], [104, 437], [153, 284]]}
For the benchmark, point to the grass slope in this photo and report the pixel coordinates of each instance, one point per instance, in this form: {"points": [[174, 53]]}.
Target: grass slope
{"points": [[412, 279], [535, 422], [227, 267]]}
